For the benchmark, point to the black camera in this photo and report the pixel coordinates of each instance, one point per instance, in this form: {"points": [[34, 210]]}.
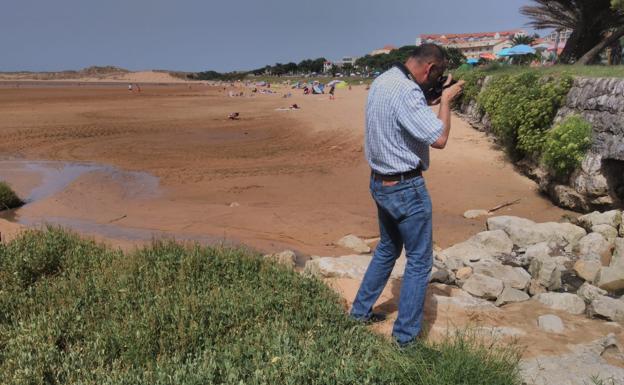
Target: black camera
{"points": [[435, 92]]}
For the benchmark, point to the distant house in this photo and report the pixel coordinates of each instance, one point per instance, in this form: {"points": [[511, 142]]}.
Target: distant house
{"points": [[347, 60], [327, 66], [382, 51], [474, 45]]}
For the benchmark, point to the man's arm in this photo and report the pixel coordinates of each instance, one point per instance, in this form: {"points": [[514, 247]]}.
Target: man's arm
{"points": [[444, 114]]}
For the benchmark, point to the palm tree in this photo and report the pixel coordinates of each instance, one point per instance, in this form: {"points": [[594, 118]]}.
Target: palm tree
{"points": [[592, 22], [523, 39]]}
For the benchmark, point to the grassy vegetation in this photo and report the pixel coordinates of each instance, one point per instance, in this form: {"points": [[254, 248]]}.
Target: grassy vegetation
{"points": [[592, 71], [8, 198], [72, 311]]}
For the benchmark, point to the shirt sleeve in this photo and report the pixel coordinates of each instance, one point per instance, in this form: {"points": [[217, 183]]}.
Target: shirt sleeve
{"points": [[417, 117]]}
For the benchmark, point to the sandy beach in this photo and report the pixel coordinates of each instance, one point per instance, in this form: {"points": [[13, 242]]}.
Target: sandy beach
{"points": [[274, 179]]}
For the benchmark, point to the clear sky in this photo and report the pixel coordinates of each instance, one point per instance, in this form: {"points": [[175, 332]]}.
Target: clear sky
{"points": [[193, 35]]}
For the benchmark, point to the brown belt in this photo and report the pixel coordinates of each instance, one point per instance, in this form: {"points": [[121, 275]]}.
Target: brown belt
{"points": [[397, 177]]}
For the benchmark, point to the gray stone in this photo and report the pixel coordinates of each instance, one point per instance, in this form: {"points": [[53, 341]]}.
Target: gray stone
{"points": [[467, 302], [483, 286], [587, 269], [439, 275], [606, 307], [584, 365], [541, 249], [472, 214], [562, 301], [535, 288], [286, 258], [593, 244], [608, 232], [505, 222], [547, 272], [610, 278], [354, 243], [524, 233], [510, 295], [618, 254], [550, 323], [590, 292], [514, 277], [348, 266], [497, 242], [612, 218], [590, 185], [486, 245]]}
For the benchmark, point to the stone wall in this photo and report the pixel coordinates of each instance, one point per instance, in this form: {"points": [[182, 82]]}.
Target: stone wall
{"points": [[599, 183]]}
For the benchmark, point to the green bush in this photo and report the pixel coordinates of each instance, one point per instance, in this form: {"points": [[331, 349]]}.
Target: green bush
{"points": [[473, 79], [522, 107], [170, 314], [566, 145], [8, 198]]}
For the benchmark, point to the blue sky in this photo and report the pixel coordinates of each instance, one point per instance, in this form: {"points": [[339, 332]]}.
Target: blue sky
{"points": [[193, 35]]}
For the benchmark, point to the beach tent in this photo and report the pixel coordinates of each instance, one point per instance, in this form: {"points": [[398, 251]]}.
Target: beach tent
{"points": [[521, 49], [504, 52], [334, 82], [342, 84], [317, 90]]}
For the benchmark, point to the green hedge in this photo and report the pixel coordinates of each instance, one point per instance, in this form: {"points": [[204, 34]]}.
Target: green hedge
{"points": [[74, 312], [521, 105]]}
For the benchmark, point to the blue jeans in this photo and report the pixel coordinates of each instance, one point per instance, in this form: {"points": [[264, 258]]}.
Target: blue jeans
{"points": [[404, 212]]}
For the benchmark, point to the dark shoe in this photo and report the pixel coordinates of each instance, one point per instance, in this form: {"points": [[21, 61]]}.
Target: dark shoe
{"points": [[376, 318]]}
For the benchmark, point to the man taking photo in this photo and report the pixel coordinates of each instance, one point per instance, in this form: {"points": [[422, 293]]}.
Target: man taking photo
{"points": [[400, 128]]}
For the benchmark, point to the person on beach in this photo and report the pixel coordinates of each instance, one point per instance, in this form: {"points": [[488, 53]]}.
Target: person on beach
{"points": [[400, 128], [332, 89]]}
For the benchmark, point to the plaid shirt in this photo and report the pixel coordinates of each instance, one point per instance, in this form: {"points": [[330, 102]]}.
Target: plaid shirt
{"points": [[400, 126]]}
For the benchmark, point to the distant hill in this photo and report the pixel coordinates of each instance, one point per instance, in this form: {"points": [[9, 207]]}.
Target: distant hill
{"points": [[99, 73]]}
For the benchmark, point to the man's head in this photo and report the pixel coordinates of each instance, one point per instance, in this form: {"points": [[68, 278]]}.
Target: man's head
{"points": [[427, 63]]}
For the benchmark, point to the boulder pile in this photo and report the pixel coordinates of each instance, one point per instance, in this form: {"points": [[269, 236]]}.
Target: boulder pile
{"points": [[575, 267]]}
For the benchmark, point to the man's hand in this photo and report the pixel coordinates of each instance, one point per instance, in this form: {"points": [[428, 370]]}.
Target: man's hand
{"points": [[451, 93]]}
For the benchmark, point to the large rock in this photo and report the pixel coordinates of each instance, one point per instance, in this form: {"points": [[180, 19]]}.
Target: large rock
{"points": [[483, 286], [587, 270], [495, 241], [511, 295], [571, 303], [547, 272], [550, 323], [609, 232], [583, 366], [524, 233], [348, 266], [590, 292], [593, 244], [286, 258], [606, 307], [486, 245], [514, 277], [354, 243], [612, 218], [610, 278], [618, 253]]}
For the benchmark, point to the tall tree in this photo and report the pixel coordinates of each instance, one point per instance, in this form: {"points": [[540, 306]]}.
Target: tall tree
{"points": [[611, 39], [523, 39], [589, 20]]}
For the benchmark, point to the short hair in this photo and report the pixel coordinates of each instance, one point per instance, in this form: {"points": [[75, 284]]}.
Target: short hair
{"points": [[429, 52]]}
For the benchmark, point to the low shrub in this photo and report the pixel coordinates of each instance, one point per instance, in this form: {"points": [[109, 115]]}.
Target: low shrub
{"points": [[522, 108], [172, 314], [8, 198], [566, 145]]}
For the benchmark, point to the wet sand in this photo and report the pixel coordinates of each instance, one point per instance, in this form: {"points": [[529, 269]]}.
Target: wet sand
{"points": [[272, 180]]}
